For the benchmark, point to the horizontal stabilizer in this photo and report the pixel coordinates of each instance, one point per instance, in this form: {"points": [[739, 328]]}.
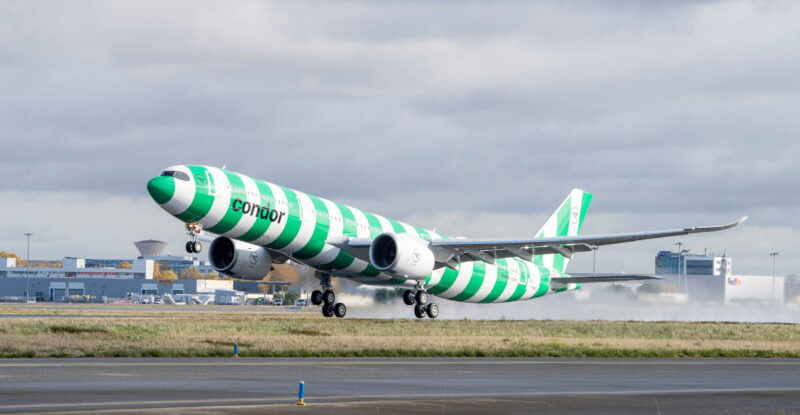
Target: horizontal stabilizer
{"points": [[590, 278]]}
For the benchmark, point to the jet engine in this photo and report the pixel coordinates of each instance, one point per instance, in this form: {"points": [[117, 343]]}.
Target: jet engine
{"points": [[239, 259], [402, 255]]}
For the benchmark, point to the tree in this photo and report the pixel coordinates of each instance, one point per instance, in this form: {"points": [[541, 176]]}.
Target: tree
{"points": [[164, 275], [192, 274], [649, 288], [620, 289], [20, 261], [291, 298], [211, 276], [124, 265], [168, 275], [669, 288]]}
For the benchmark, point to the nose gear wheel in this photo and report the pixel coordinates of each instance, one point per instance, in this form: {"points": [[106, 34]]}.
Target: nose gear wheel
{"points": [[193, 246]]}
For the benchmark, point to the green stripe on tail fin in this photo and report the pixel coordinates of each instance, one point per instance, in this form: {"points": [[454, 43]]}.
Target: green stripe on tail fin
{"points": [[567, 220]]}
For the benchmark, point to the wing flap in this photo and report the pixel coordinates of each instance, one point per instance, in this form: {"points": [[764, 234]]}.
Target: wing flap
{"points": [[595, 278]]}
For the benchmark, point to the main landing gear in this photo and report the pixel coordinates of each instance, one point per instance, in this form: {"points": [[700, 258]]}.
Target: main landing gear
{"points": [[193, 246], [327, 298], [419, 300]]}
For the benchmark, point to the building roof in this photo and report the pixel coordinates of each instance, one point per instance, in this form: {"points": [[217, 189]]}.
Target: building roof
{"points": [[150, 247]]}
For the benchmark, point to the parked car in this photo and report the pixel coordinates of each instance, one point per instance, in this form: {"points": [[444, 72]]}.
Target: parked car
{"points": [[277, 301]]}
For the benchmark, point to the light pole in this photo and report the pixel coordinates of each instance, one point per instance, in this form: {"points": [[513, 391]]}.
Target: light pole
{"points": [[594, 258], [685, 274], [680, 254], [774, 255], [27, 269]]}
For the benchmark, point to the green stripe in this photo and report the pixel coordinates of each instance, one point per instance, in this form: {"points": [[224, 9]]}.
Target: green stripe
{"points": [[562, 229], [370, 271], [523, 279], [475, 281], [260, 226], [500, 284], [562, 222], [397, 226], [585, 201], [342, 261], [423, 234], [350, 228], [212, 188], [448, 278], [201, 204], [375, 228], [544, 281], [293, 222], [231, 218], [321, 229]]}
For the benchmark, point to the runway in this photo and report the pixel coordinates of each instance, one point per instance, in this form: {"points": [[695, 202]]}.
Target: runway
{"points": [[407, 386]]}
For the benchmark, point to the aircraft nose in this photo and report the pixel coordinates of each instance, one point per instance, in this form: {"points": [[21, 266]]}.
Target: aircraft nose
{"points": [[161, 188]]}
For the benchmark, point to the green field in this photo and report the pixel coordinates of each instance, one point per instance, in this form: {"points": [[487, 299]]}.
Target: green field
{"points": [[156, 331]]}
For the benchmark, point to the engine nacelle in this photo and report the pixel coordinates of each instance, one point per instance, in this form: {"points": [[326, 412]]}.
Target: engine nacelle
{"points": [[402, 256], [239, 259]]}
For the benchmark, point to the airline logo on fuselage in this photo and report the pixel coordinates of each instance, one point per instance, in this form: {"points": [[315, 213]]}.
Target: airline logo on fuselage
{"points": [[263, 212]]}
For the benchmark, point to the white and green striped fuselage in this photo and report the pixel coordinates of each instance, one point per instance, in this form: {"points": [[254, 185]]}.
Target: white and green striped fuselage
{"points": [[299, 225]]}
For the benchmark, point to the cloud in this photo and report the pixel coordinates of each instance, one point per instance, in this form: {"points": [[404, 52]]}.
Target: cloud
{"points": [[471, 114]]}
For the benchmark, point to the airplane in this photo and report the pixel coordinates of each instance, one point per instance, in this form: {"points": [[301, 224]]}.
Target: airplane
{"points": [[260, 224]]}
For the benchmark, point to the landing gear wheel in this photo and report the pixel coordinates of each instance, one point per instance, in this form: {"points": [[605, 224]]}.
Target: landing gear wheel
{"points": [[432, 310], [329, 297], [422, 297], [327, 310], [197, 247], [316, 297], [339, 310], [189, 247], [408, 297], [419, 311]]}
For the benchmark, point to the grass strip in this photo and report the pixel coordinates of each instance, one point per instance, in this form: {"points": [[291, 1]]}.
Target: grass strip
{"points": [[213, 334]]}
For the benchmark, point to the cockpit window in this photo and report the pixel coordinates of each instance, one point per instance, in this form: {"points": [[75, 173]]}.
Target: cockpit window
{"points": [[176, 174]]}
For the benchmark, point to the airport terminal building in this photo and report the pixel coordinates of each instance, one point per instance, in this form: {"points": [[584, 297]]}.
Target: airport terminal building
{"points": [[710, 277], [98, 278]]}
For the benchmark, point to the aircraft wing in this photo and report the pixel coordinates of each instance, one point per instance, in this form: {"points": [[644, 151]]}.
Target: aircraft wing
{"points": [[450, 252], [526, 248], [592, 278]]}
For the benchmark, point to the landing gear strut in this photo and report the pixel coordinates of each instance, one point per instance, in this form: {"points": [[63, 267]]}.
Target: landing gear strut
{"points": [[193, 246], [327, 298], [419, 300]]}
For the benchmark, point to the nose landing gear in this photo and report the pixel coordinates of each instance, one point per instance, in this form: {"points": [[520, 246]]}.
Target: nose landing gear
{"points": [[193, 246], [419, 300]]}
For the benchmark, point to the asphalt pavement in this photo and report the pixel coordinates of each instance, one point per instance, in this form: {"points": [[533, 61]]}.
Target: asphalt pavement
{"points": [[402, 386]]}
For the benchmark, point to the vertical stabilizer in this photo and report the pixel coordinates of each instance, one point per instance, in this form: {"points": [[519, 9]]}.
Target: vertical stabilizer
{"points": [[565, 221]]}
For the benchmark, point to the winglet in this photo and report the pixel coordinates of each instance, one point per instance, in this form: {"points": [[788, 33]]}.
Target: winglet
{"points": [[695, 229]]}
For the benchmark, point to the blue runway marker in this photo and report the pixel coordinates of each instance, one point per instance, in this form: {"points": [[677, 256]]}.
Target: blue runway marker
{"points": [[301, 393]]}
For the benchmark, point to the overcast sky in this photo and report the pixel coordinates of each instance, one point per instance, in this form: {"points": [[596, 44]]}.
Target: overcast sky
{"points": [[474, 118]]}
